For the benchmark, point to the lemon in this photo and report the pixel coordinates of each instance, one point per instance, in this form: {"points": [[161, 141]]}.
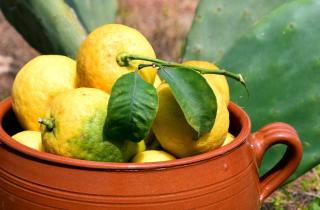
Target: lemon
{"points": [[37, 83], [130, 148], [74, 127], [30, 139], [219, 81], [228, 139], [152, 156], [174, 133], [96, 62], [157, 81]]}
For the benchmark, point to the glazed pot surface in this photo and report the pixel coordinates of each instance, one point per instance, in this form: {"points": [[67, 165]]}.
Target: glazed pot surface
{"points": [[226, 178]]}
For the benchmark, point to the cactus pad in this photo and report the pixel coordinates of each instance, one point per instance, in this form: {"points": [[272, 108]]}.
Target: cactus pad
{"points": [[94, 13], [49, 26], [219, 23], [280, 60]]}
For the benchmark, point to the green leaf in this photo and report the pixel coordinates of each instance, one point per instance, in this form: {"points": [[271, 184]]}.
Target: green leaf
{"points": [[132, 107], [94, 13], [314, 205], [194, 96]]}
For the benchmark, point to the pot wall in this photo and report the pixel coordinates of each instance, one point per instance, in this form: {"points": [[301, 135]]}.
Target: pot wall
{"points": [[223, 179], [218, 183]]}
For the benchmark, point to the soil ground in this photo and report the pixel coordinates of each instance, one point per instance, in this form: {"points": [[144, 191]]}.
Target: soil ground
{"points": [[165, 23]]}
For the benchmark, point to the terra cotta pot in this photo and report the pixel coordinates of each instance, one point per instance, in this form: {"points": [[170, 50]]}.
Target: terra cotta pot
{"points": [[226, 178]]}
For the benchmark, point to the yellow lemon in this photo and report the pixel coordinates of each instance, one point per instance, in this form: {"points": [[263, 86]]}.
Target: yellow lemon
{"points": [[157, 81], [152, 156], [131, 148], [37, 83], [96, 63], [219, 81], [74, 127], [174, 133], [30, 139], [228, 139]]}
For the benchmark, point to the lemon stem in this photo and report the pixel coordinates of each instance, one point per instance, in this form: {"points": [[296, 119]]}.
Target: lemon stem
{"points": [[124, 59], [49, 123]]}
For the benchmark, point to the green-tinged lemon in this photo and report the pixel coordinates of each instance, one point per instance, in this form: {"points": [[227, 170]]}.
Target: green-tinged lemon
{"points": [[74, 127]]}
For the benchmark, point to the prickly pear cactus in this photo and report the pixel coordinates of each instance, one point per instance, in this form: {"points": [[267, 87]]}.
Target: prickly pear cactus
{"points": [[278, 53], [219, 23], [280, 60], [94, 13], [49, 26], [54, 26]]}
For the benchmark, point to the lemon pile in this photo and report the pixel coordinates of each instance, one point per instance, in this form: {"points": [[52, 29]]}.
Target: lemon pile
{"points": [[62, 103]]}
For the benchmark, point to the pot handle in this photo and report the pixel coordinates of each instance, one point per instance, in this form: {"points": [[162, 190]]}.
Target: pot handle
{"points": [[262, 140]]}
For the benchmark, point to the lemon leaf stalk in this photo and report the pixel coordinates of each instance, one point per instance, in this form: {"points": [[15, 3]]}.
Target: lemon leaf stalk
{"points": [[123, 59], [192, 92]]}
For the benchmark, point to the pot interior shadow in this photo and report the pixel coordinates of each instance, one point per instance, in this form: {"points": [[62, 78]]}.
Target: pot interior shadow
{"points": [[10, 123]]}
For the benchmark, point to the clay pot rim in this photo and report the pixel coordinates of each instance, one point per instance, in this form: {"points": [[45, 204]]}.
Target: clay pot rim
{"points": [[5, 106]]}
